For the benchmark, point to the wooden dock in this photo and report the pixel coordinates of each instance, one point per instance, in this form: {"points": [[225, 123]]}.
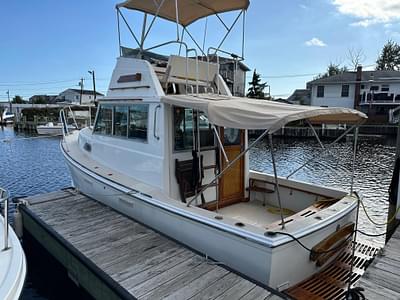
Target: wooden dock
{"points": [[113, 257], [382, 278]]}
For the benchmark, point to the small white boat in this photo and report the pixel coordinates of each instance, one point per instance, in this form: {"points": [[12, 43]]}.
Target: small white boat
{"points": [[52, 129], [7, 117], [169, 148], [12, 260]]}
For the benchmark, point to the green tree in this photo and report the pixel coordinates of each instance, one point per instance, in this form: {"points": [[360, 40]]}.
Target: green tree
{"points": [[389, 59], [18, 100], [332, 70], [256, 89], [39, 100]]}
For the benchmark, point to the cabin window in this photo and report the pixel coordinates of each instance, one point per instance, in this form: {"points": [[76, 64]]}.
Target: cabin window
{"points": [[121, 121], [345, 90], [374, 88], [320, 91], [184, 127], [104, 120], [385, 88], [138, 119]]}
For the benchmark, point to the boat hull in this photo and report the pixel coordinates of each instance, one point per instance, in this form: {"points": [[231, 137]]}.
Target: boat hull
{"points": [[279, 267], [12, 266], [55, 130]]}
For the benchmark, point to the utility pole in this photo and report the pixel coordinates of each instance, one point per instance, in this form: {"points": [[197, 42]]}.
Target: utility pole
{"points": [[94, 84], [9, 102], [81, 85]]}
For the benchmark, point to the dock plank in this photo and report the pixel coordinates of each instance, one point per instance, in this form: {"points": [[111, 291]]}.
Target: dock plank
{"points": [[382, 278], [141, 262]]}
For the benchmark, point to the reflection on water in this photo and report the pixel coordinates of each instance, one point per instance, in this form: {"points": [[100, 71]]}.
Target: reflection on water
{"points": [[373, 170], [35, 165]]}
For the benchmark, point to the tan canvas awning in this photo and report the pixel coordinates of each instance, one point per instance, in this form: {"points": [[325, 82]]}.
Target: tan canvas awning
{"points": [[245, 113], [188, 10]]}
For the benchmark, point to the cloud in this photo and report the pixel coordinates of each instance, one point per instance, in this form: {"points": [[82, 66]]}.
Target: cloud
{"points": [[303, 6], [315, 42], [369, 12]]}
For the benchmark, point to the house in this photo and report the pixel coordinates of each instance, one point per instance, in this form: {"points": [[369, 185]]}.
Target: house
{"points": [[73, 96], [375, 93], [300, 96], [234, 74]]}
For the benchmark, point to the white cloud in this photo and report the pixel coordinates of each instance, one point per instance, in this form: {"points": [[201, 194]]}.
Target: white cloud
{"points": [[369, 12], [316, 42]]}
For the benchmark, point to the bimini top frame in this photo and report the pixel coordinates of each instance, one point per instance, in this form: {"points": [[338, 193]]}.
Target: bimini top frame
{"points": [[184, 13]]}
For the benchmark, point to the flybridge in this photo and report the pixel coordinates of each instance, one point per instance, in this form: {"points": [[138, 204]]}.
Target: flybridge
{"points": [[184, 13]]}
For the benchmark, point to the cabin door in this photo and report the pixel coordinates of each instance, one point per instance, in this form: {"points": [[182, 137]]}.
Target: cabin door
{"points": [[231, 185]]}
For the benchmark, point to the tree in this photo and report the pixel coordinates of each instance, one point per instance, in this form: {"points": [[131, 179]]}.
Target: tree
{"points": [[389, 59], [355, 57], [256, 89], [18, 100], [39, 100], [333, 69]]}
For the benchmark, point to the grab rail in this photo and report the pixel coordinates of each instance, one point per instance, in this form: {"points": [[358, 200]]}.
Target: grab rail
{"points": [[157, 137], [4, 198], [64, 120]]}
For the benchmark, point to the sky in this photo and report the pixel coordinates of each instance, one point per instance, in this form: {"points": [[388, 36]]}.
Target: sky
{"points": [[47, 46]]}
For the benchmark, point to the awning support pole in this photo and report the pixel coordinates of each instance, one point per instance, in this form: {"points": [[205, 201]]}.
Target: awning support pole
{"points": [[221, 146], [315, 156], [119, 33], [278, 195], [181, 40], [129, 27], [228, 31], [194, 40], [154, 18], [229, 165], [177, 19], [143, 32], [354, 160], [317, 137]]}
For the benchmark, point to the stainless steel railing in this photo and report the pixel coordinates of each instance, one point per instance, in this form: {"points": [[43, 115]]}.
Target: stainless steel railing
{"points": [[4, 198]]}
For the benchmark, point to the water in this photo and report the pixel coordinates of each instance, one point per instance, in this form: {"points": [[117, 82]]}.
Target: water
{"points": [[35, 165]]}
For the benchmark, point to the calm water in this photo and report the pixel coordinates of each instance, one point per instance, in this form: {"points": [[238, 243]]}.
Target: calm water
{"points": [[35, 165]]}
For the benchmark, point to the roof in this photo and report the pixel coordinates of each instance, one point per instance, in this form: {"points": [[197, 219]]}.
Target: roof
{"points": [[84, 92], [246, 113], [299, 95], [188, 10], [350, 77], [227, 60]]}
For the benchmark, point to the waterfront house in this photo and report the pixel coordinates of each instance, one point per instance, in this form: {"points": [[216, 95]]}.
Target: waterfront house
{"points": [[376, 93], [73, 96], [234, 74]]}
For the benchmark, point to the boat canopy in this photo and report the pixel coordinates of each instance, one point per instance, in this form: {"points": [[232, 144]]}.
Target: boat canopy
{"points": [[246, 113], [188, 11]]}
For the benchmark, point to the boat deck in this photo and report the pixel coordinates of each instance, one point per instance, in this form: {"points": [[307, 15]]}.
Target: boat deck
{"points": [[135, 261], [252, 212]]}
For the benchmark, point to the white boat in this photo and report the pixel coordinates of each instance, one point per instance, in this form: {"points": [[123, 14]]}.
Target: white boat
{"points": [[52, 129], [7, 117], [12, 260], [143, 158]]}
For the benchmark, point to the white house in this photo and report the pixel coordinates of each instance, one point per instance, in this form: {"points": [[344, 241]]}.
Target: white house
{"points": [[373, 92], [73, 96], [353, 89]]}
